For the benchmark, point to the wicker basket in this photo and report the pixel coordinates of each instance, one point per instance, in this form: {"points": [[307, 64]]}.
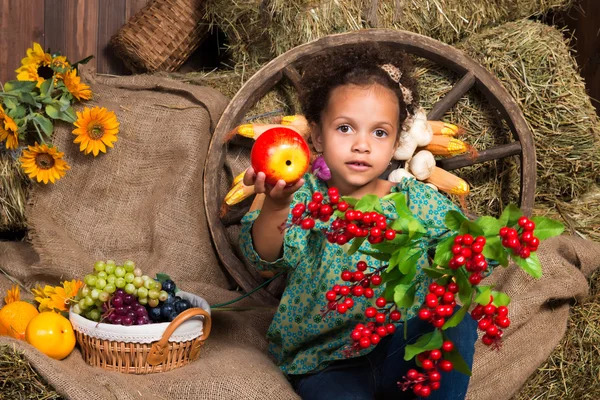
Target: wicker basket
{"points": [[161, 36], [146, 358]]}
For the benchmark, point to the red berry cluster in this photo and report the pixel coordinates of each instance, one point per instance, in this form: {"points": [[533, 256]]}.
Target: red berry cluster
{"points": [[492, 320], [371, 225], [339, 299], [423, 383], [467, 251], [305, 214], [355, 223], [439, 304], [522, 242]]}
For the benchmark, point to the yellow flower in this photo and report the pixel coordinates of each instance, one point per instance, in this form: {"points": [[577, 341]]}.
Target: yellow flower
{"points": [[8, 130], [36, 66], [12, 295], [56, 298], [44, 163], [73, 83], [96, 128], [60, 65]]}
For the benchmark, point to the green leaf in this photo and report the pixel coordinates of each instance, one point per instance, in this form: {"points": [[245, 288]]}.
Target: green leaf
{"points": [[429, 341], [367, 202], [458, 316], [500, 298], [55, 113], [465, 290], [404, 295], [376, 255], [356, 245], [454, 219], [43, 123], [46, 87], [436, 272], [531, 265], [162, 277], [494, 250], [471, 228], [27, 98], [415, 229], [350, 200], [443, 251], [489, 225], [455, 357], [10, 103], [20, 86], [483, 295], [408, 257], [510, 216], [83, 61], [546, 228]]}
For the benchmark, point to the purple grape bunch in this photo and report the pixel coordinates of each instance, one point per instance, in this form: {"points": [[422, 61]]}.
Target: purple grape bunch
{"points": [[125, 310]]}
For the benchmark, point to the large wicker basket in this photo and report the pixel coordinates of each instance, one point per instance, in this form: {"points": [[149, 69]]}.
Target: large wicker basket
{"points": [[161, 36], [131, 357]]}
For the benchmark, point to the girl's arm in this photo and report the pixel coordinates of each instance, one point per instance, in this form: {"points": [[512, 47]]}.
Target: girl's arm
{"points": [[267, 230]]}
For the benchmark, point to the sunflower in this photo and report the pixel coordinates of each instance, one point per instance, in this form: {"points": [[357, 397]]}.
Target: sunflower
{"points": [[43, 162], [53, 298], [36, 66], [60, 65], [13, 294], [96, 128], [8, 130], [73, 83]]}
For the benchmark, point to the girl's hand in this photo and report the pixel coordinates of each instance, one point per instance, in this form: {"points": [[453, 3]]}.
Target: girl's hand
{"points": [[279, 196]]}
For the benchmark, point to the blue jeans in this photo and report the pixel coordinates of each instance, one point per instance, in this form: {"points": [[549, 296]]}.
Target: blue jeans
{"points": [[376, 375]]}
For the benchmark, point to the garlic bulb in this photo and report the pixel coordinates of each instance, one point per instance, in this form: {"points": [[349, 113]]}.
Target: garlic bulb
{"points": [[398, 174], [407, 148], [422, 133], [422, 165]]}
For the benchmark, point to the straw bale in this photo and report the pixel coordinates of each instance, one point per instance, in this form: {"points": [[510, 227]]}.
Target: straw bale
{"points": [[13, 193], [257, 30]]}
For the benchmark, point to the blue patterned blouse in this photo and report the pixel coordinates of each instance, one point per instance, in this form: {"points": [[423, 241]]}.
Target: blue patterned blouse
{"points": [[301, 339]]}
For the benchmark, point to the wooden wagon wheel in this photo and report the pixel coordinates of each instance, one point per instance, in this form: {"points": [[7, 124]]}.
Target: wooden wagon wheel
{"points": [[472, 74]]}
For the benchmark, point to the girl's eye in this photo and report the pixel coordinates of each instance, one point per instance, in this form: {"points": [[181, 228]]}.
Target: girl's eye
{"points": [[344, 128], [380, 133]]}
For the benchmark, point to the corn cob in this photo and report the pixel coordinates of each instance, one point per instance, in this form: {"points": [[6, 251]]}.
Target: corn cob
{"points": [[238, 192], [448, 182], [445, 128], [446, 146]]}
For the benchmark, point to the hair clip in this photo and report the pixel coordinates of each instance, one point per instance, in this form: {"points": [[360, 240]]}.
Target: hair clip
{"points": [[395, 74]]}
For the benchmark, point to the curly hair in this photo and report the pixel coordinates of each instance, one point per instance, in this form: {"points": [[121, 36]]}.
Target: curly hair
{"points": [[358, 64]]}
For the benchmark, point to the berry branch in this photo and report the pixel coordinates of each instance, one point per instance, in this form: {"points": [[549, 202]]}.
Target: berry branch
{"points": [[464, 253]]}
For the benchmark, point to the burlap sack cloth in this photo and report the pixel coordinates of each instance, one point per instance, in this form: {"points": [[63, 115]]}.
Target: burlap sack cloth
{"points": [[143, 201]]}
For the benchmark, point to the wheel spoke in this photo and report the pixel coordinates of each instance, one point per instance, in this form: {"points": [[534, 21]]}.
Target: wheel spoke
{"points": [[452, 97], [495, 153]]}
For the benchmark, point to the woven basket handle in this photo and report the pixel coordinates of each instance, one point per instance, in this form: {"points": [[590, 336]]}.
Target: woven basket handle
{"points": [[158, 353]]}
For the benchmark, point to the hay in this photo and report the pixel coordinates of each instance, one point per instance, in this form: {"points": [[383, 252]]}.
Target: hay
{"points": [[257, 30], [18, 379], [534, 64], [573, 370], [14, 187]]}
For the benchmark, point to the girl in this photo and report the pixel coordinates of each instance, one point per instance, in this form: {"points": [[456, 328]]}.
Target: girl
{"points": [[356, 99]]}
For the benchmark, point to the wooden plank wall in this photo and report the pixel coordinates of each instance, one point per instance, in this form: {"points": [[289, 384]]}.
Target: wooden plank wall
{"points": [[76, 28]]}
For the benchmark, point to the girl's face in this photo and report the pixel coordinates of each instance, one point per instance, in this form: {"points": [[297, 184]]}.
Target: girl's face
{"points": [[357, 136]]}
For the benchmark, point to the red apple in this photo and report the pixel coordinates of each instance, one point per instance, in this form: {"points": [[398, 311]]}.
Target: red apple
{"points": [[281, 153]]}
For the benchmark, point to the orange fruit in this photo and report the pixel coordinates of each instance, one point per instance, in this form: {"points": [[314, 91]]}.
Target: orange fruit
{"points": [[14, 318], [52, 334]]}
